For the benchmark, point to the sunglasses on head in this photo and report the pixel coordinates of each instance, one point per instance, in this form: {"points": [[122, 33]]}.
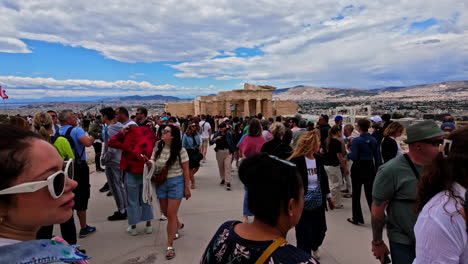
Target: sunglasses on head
{"points": [[55, 183], [164, 131]]}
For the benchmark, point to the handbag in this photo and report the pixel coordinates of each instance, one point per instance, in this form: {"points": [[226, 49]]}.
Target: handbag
{"points": [[161, 176], [313, 199]]}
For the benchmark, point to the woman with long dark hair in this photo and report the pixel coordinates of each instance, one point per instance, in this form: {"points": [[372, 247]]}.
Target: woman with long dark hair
{"points": [[191, 142], [310, 231], [335, 162], [169, 154], [441, 231], [277, 201]]}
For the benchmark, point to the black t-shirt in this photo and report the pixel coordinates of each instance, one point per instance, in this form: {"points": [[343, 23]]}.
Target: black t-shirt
{"points": [[278, 148], [228, 247], [334, 147], [222, 143]]}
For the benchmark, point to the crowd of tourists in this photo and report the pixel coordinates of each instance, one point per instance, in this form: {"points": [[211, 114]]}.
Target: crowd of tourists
{"points": [[293, 171]]}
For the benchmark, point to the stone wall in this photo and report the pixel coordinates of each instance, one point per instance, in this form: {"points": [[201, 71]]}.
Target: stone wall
{"points": [[180, 109], [284, 108]]}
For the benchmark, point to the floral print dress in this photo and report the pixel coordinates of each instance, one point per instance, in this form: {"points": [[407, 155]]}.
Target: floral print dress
{"points": [[227, 247]]}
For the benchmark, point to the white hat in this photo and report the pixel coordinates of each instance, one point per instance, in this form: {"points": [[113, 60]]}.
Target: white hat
{"points": [[376, 119]]}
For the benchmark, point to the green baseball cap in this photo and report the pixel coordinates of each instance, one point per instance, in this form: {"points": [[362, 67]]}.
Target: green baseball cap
{"points": [[423, 130]]}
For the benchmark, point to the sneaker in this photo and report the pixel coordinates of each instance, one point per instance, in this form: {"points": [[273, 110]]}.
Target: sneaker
{"points": [[109, 193], [316, 254], [149, 230], [104, 188], [222, 182], [100, 170], [163, 218], [86, 231], [132, 231], [117, 216], [228, 187]]}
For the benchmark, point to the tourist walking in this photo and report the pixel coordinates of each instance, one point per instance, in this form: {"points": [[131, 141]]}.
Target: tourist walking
{"points": [[95, 130], [42, 125], [34, 192], [365, 161], [441, 231], [225, 148], [192, 144], [135, 143], [205, 135], [389, 147], [111, 160], [394, 193], [252, 143], [171, 159], [277, 201], [310, 231], [276, 146], [335, 162]]}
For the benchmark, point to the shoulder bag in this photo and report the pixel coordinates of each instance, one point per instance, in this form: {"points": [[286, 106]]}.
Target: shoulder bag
{"points": [[270, 250]]}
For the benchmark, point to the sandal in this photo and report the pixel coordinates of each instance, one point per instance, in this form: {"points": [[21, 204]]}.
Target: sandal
{"points": [[170, 253], [192, 186], [176, 236], [181, 226]]}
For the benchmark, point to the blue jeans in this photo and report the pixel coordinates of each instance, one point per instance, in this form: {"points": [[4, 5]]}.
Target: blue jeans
{"points": [[137, 210], [401, 253], [246, 203], [172, 188]]}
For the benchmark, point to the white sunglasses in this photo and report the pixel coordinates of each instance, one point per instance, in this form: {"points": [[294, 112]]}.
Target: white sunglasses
{"points": [[55, 183]]}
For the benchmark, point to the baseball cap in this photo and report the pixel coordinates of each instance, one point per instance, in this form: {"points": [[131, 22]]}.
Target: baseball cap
{"points": [[376, 119], [221, 125], [164, 119], [338, 118]]}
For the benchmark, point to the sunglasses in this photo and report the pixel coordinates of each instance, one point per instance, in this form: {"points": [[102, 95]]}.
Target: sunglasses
{"points": [[193, 126], [164, 131], [55, 183]]}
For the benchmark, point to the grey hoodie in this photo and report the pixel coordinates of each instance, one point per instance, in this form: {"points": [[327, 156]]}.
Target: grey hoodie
{"points": [[111, 131]]}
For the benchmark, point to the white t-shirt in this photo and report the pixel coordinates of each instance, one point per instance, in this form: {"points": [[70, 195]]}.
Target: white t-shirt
{"points": [[311, 173], [441, 230], [204, 127]]}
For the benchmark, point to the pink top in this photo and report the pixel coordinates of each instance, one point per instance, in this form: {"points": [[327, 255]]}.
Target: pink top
{"points": [[251, 145]]}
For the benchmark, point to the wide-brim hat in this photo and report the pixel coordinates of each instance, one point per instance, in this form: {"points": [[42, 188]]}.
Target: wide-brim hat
{"points": [[423, 130]]}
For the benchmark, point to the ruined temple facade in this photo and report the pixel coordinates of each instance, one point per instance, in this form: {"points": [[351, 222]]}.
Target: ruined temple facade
{"points": [[249, 101]]}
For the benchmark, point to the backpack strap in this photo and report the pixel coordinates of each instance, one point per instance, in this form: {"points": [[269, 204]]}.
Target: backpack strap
{"points": [[270, 250], [410, 162], [67, 136]]}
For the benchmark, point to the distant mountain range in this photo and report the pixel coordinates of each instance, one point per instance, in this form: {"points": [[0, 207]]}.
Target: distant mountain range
{"points": [[454, 90]]}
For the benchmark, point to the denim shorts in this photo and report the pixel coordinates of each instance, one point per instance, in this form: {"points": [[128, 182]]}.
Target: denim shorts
{"points": [[173, 189]]}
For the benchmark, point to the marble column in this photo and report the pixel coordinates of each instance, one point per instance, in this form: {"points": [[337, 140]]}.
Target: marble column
{"points": [[228, 108], [258, 106], [246, 108], [269, 109]]}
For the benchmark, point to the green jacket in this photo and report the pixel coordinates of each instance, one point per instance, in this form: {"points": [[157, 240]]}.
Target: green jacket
{"points": [[96, 130]]}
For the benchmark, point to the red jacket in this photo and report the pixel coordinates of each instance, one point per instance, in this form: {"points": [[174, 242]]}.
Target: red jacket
{"points": [[137, 141]]}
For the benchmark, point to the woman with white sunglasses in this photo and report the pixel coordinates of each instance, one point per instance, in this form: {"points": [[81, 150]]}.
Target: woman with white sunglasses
{"points": [[42, 124], [34, 192]]}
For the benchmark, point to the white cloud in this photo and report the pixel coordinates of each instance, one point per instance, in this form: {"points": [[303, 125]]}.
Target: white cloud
{"points": [[301, 42], [34, 88]]}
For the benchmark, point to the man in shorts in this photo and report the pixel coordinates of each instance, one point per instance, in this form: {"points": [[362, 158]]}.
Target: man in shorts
{"points": [[205, 135]]}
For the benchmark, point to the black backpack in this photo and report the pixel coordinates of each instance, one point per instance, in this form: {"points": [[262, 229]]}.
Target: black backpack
{"points": [[70, 140]]}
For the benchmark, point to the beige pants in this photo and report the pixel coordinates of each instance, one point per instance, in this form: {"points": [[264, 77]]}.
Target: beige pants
{"points": [[224, 160], [347, 179], [335, 180]]}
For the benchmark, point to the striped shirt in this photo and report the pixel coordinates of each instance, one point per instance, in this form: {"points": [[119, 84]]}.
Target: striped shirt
{"points": [[176, 169]]}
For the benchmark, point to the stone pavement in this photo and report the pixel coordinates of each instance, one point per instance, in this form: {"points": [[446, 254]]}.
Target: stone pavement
{"points": [[209, 207]]}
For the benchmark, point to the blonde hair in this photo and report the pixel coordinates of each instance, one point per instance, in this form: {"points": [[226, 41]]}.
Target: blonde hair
{"points": [[308, 141], [393, 128], [277, 129], [42, 123]]}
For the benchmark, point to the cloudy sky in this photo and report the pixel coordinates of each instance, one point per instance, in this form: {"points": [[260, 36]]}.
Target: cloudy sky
{"points": [[59, 48]]}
